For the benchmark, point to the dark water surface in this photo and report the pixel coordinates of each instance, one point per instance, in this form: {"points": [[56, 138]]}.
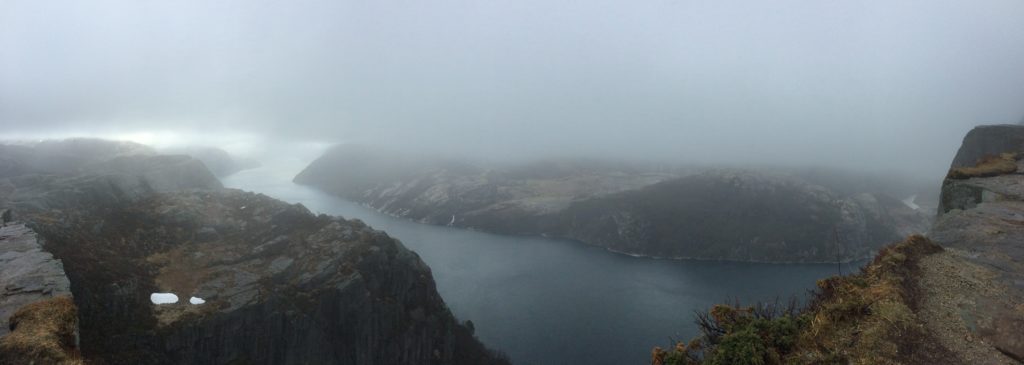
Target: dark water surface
{"points": [[545, 301]]}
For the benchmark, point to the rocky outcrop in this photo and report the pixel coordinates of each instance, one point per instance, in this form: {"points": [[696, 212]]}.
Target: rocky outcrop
{"points": [[720, 214], [27, 273], [958, 302], [989, 140], [981, 221], [278, 284]]}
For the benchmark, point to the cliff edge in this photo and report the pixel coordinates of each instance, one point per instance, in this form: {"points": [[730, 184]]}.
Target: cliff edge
{"points": [[168, 267], [38, 320], [954, 297]]}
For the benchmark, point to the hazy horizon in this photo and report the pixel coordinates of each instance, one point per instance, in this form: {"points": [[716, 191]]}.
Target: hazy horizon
{"points": [[870, 85]]}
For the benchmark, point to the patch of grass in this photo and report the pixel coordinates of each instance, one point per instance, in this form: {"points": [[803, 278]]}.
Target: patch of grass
{"points": [[866, 318], [44, 332], [1004, 163]]}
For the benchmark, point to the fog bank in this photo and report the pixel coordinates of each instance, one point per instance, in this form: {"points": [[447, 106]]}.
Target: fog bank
{"points": [[865, 85]]}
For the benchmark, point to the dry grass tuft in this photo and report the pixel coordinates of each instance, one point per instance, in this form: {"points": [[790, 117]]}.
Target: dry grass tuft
{"points": [[1005, 163], [44, 332], [866, 318]]}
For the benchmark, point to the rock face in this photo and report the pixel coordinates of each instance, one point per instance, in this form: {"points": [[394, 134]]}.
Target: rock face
{"points": [[981, 220], [720, 214], [279, 284], [989, 140], [27, 273]]}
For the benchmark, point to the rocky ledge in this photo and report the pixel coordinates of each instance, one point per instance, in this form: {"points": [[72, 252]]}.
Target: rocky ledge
{"points": [[981, 223], [28, 273], [38, 319]]}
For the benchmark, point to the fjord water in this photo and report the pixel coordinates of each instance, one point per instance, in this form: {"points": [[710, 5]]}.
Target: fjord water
{"points": [[546, 301]]}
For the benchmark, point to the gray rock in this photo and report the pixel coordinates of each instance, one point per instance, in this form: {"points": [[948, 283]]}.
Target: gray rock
{"points": [[27, 273], [983, 218], [989, 140]]}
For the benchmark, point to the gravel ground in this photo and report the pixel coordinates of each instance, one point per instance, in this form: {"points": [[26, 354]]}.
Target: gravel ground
{"points": [[953, 288]]}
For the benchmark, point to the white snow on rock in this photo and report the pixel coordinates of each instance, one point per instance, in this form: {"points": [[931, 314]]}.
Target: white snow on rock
{"points": [[163, 298], [195, 300]]}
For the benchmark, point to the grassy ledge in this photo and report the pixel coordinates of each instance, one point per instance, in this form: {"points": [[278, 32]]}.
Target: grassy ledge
{"points": [[864, 318]]}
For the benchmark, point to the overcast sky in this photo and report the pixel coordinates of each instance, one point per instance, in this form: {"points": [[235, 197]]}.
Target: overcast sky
{"points": [[892, 84]]}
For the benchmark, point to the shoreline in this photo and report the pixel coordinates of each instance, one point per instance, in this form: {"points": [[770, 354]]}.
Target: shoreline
{"points": [[846, 261]]}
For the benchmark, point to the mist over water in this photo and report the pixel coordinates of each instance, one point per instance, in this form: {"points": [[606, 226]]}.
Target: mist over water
{"points": [[872, 88]]}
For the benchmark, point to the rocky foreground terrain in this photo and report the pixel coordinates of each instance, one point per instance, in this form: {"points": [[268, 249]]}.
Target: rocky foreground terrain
{"points": [[275, 283], [977, 302], [954, 297], [731, 214]]}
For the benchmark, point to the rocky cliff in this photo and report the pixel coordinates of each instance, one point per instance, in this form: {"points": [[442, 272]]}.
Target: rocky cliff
{"points": [[981, 223], [988, 140], [28, 273], [719, 214], [277, 284], [956, 297], [38, 320]]}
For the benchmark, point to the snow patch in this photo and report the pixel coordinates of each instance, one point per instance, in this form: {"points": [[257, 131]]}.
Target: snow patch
{"points": [[163, 298], [195, 300]]}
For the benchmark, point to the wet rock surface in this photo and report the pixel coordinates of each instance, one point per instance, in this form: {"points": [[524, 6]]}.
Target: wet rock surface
{"points": [[981, 221], [28, 274]]}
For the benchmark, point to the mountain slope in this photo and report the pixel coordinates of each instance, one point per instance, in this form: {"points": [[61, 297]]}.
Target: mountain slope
{"points": [[280, 284], [731, 214]]}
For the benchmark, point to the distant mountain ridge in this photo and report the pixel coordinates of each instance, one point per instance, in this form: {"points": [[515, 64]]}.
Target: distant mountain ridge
{"points": [[729, 214]]}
